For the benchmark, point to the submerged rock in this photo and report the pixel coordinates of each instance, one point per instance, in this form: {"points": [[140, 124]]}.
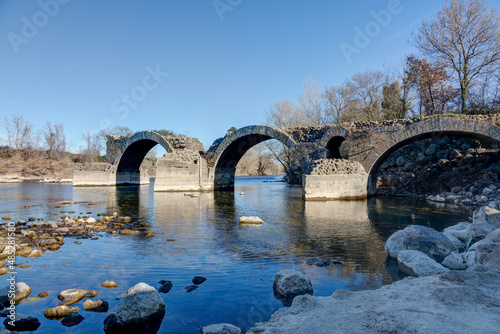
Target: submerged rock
{"points": [[290, 283], [221, 329], [165, 287], [141, 310], [197, 280], [72, 319], [190, 288], [424, 239], [22, 323]]}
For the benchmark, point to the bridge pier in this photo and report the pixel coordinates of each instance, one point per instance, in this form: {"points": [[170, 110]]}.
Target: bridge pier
{"points": [[172, 175]]}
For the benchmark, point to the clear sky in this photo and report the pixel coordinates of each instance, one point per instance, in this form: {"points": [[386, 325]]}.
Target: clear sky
{"points": [[196, 67]]}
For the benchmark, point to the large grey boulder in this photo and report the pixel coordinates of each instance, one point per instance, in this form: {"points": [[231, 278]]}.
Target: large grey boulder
{"points": [[478, 231], [421, 238], [459, 261], [141, 310], [486, 214], [416, 263], [493, 259], [459, 245], [290, 283], [460, 231], [221, 329]]}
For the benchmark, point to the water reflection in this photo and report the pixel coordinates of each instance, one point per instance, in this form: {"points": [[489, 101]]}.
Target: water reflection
{"points": [[201, 236]]}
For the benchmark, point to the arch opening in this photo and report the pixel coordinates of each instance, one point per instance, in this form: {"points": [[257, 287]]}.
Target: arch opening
{"points": [[333, 147], [432, 162], [225, 169], [137, 162]]}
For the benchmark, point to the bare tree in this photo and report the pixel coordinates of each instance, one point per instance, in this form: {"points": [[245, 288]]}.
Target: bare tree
{"points": [[367, 89], [55, 139], [92, 147], [283, 114], [340, 102], [20, 133], [465, 37], [311, 104]]}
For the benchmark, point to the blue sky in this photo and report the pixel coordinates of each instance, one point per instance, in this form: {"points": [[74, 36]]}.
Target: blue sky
{"points": [[196, 67]]}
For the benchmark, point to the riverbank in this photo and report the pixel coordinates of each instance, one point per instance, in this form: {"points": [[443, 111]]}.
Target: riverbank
{"points": [[454, 301]]}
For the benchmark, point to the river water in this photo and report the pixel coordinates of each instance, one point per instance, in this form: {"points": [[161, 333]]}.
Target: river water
{"points": [[239, 261]]}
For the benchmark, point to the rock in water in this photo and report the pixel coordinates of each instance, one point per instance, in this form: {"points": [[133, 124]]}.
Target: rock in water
{"points": [[22, 289], [191, 288], [198, 280], [59, 312], [141, 310], [96, 306], [415, 263], [72, 319], [72, 296], [290, 283], [421, 238], [251, 220], [109, 284], [165, 287], [22, 323], [221, 329]]}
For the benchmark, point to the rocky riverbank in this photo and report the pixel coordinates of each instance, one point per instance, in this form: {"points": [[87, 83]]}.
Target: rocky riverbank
{"points": [[457, 291], [443, 169]]}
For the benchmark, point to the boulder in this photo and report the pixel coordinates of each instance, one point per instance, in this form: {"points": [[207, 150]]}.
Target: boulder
{"points": [[72, 296], [416, 263], [22, 289], [483, 250], [421, 238], [459, 261], [493, 236], [22, 323], [59, 312], [251, 220], [478, 231], [142, 309], [290, 283], [459, 231], [456, 242], [109, 284], [96, 305], [221, 329], [486, 214], [493, 259]]}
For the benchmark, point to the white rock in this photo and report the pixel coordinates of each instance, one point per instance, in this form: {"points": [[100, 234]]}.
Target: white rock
{"points": [[251, 220], [459, 261], [141, 306], [416, 263], [221, 329], [488, 215]]}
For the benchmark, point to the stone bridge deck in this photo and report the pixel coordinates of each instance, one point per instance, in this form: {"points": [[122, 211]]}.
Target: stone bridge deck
{"points": [[367, 144]]}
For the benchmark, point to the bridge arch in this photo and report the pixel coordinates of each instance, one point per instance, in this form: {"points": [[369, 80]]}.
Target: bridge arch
{"points": [[132, 151], [235, 145], [332, 140], [431, 128]]}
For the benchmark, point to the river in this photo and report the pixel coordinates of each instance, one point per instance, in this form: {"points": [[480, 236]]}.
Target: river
{"points": [[206, 240]]}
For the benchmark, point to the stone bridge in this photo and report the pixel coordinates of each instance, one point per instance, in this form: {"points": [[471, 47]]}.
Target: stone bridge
{"points": [[337, 161]]}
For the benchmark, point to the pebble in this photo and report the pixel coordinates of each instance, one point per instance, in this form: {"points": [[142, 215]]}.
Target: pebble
{"points": [[109, 284]]}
